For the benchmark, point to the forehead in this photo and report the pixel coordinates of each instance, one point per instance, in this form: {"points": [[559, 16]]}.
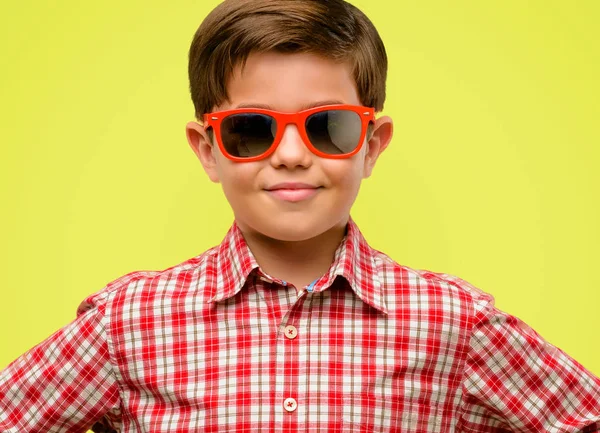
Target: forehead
{"points": [[290, 82]]}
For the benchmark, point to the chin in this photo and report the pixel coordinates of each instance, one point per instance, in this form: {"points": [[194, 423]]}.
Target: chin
{"points": [[290, 229]]}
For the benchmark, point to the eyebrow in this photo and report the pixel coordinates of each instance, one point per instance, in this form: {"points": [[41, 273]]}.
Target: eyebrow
{"points": [[304, 107]]}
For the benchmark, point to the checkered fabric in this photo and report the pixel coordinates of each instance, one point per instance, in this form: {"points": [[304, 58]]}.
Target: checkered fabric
{"points": [[215, 344]]}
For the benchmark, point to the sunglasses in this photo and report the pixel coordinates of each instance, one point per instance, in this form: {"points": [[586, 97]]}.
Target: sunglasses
{"points": [[252, 134]]}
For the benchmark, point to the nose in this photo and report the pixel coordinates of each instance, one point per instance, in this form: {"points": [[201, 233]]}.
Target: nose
{"points": [[291, 151]]}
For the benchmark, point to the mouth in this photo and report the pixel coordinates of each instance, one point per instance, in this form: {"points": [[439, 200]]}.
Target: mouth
{"points": [[293, 194]]}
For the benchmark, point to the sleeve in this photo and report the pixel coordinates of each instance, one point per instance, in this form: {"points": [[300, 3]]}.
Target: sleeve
{"points": [[515, 381], [64, 384]]}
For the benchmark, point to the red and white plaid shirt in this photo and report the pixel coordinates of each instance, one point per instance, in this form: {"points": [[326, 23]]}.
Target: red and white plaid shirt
{"points": [[215, 344]]}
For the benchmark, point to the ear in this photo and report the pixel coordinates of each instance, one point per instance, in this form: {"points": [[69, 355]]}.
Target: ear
{"points": [[203, 148], [382, 132]]}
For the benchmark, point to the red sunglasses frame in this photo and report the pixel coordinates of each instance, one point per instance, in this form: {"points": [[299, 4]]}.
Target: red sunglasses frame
{"points": [[214, 120]]}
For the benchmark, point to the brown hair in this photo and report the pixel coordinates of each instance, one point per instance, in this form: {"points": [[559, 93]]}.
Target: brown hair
{"points": [[236, 28]]}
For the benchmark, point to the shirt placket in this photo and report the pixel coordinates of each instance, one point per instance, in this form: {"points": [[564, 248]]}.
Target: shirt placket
{"points": [[291, 343]]}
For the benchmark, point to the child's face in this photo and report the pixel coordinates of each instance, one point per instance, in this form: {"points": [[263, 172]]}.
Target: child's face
{"points": [[289, 83]]}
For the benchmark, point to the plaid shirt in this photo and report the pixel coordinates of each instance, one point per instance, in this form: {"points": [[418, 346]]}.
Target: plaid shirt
{"points": [[215, 344]]}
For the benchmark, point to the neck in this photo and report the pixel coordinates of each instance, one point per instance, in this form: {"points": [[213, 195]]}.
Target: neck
{"points": [[296, 262]]}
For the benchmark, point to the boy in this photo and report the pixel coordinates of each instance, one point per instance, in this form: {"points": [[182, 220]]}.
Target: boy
{"points": [[293, 323]]}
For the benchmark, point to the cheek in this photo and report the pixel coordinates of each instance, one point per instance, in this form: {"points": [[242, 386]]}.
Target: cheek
{"points": [[346, 175], [237, 178]]}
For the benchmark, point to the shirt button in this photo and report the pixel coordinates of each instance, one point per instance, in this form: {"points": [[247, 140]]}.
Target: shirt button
{"points": [[291, 332], [290, 404]]}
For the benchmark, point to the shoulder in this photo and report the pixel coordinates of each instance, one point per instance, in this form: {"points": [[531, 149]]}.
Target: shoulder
{"points": [[397, 279], [134, 283]]}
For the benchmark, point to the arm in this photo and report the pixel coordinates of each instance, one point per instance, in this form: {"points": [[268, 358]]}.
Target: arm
{"points": [[515, 381], [64, 384]]}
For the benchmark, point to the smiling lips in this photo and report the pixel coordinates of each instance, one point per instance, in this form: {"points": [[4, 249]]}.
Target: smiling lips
{"points": [[293, 192]]}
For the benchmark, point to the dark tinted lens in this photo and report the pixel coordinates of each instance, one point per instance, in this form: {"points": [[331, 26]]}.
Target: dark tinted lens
{"points": [[247, 135], [334, 132]]}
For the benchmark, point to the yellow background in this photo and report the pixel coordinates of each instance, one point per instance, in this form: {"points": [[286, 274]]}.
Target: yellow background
{"points": [[492, 174]]}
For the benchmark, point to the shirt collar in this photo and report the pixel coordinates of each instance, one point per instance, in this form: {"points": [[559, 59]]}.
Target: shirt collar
{"points": [[353, 260]]}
